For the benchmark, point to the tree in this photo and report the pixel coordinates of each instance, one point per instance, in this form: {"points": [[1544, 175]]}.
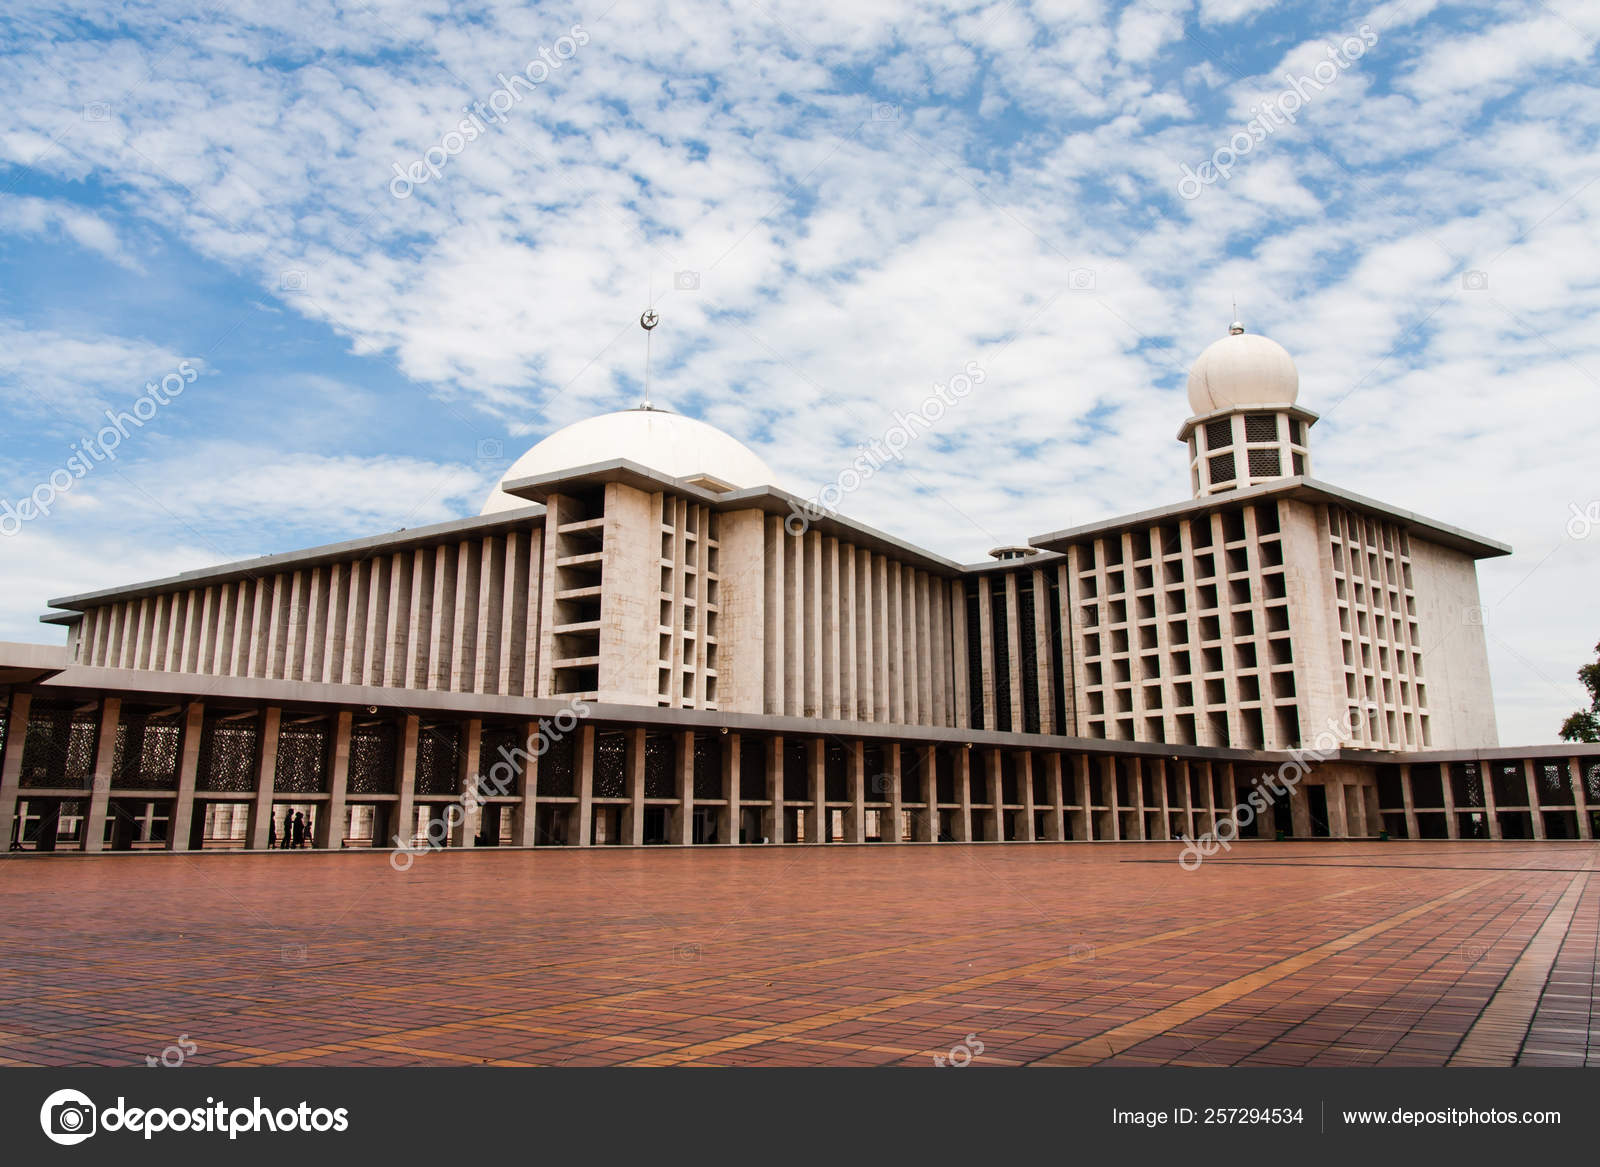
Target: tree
{"points": [[1584, 725]]}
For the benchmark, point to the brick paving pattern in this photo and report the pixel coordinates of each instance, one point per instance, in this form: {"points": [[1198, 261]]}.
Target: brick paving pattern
{"points": [[1328, 954]]}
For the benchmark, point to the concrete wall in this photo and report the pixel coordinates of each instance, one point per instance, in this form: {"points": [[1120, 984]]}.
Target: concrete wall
{"points": [[1455, 655], [629, 605]]}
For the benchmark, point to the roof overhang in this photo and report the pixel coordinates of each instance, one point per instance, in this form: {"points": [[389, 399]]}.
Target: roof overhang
{"points": [[370, 545], [23, 664], [244, 691], [798, 513], [1301, 489]]}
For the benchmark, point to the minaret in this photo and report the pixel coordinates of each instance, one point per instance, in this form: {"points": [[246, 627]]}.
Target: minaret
{"points": [[1246, 427]]}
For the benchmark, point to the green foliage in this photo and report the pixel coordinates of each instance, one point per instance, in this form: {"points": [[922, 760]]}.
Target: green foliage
{"points": [[1584, 725]]}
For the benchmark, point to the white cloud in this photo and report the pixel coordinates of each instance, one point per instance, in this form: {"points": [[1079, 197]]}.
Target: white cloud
{"points": [[21, 215], [848, 261]]}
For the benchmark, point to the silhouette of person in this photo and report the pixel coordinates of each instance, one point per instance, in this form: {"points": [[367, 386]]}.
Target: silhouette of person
{"points": [[272, 832], [283, 840], [311, 831], [299, 830]]}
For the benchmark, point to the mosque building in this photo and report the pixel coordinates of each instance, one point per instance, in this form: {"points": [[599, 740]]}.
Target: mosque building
{"points": [[640, 639]]}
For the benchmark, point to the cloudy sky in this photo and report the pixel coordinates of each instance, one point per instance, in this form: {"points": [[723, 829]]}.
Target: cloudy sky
{"points": [[834, 206]]}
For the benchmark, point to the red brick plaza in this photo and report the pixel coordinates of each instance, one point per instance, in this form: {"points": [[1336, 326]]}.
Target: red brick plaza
{"points": [[1332, 954]]}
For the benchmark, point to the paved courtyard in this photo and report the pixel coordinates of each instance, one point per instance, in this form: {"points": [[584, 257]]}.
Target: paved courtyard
{"points": [[1328, 954]]}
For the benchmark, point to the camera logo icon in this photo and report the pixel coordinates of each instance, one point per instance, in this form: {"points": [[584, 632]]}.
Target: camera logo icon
{"points": [[292, 281], [491, 449], [686, 281], [1475, 280], [1081, 279], [68, 1117], [97, 111], [885, 112], [686, 953]]}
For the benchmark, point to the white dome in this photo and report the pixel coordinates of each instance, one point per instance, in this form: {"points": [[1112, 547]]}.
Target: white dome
{"points": [[667, 442], [1242, 369]]}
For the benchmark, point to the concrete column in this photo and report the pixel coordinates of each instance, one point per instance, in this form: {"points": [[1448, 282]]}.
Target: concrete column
{"points": [[1108, 779], [828, 593], [1014, 650], [816, 772], [928, 761], [1580, 798], [266, 776], [772, 817], [1186, 775], [855, 819], [583, 774], [1230, 787], [1338, 825], [732, 750], [939, 632], [1024, 768], [1357, 824], [1300, 813], [1413, 831], [404, 823], [330, 823], [633, 813], [178, 827], [527, 813], [1533, 798], [865, 622], [891, 757], [11, 776], [962, 827], [465, 833], [1136, 777], [1452, 824], [1491, 810], [1083, 825], [1164, 799], [959, 698], [1211, 798], [94, 828], [682, 829], [926, 648]]}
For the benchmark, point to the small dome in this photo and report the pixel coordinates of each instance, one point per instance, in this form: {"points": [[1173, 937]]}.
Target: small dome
{"points": [[667, 442], [1242, 369]]}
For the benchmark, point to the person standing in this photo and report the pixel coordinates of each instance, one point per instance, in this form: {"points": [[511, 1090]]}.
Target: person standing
{"points": [[299, 830]]}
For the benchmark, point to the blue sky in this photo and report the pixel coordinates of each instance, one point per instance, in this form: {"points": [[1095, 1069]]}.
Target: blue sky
{"points": [[869, 196]]}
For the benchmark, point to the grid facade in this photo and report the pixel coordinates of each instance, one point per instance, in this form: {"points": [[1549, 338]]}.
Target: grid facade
{"points": [[1379, 638]]}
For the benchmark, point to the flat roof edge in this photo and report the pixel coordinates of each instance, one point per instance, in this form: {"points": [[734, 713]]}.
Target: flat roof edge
{"points": [[1478, 546], [325, 552]]}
